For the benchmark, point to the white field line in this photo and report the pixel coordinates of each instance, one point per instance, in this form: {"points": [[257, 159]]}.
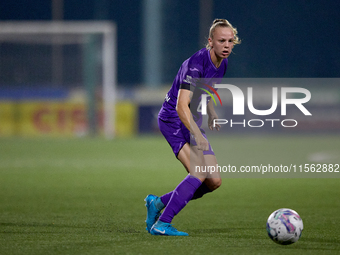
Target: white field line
{"points": [[325, 157]]}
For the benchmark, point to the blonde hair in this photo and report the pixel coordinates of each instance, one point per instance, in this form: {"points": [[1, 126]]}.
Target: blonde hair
{"points": [[222, 23]]}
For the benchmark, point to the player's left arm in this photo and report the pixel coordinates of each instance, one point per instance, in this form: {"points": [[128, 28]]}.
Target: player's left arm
{"points": [[212, 115]]}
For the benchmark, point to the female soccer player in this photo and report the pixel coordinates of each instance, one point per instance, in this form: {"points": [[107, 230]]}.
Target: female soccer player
{"points": [[182, 129]]}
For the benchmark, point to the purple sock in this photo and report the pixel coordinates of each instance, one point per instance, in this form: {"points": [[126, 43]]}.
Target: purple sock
{"points": [[166, 198], [180, 197], [202, 190]]}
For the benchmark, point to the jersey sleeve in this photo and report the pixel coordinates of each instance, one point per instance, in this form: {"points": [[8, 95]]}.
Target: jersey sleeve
{"points": [[191, 72]]}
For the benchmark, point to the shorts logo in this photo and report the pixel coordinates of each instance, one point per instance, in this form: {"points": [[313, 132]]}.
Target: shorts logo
{"points": [[176, 133]]}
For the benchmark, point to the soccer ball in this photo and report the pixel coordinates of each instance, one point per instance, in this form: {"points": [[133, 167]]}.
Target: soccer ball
{"points": [[284, 226]]}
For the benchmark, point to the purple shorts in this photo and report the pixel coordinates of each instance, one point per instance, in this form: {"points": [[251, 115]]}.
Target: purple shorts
{"points": [[177, 135]]}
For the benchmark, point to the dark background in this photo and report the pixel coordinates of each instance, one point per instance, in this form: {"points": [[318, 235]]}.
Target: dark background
{"points": [[291, 38]]}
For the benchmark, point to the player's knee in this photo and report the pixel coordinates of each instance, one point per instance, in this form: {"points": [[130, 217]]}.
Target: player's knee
{"points": [[216, 184]]}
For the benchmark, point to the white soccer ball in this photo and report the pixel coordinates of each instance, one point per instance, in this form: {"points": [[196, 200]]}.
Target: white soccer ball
{"points": [[284, 226]]}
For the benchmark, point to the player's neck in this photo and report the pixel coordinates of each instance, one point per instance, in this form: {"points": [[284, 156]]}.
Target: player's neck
{"points": [[215, 59]]}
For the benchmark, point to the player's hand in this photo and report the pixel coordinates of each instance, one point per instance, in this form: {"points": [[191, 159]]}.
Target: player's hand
{"points": [[211, 122], [202, 143]]}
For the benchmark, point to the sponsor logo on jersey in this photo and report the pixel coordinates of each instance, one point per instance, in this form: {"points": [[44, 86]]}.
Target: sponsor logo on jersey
{"points": [[188, 79]]}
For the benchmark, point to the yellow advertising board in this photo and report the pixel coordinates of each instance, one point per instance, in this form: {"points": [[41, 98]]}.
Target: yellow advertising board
{"points": [[56, 118], [8, 114]]}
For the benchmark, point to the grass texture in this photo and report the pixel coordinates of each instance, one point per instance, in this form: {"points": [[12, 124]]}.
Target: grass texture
{"points": [[85, 196]]}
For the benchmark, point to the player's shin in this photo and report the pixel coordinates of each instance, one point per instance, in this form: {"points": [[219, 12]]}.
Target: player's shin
{"points": [[180, 197]]}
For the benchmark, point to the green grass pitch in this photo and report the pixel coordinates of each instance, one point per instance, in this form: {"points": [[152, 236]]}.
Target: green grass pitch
{"points": [[85, 196]]}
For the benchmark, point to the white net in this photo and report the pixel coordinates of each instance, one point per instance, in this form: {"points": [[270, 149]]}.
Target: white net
{"points": [[63, 61]]}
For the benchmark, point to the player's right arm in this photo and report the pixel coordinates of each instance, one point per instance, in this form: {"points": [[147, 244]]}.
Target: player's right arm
{"points": [[184, 113]]}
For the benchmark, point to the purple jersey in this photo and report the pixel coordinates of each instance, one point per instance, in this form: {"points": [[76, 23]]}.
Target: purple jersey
{"points": [[198, 66]]}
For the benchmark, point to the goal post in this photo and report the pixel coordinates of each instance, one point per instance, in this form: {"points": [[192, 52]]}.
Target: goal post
{"points": [[57, 34]]}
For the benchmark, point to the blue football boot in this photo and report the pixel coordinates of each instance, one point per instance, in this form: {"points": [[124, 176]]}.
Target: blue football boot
{"points": [[152, 212], [165, 229]]}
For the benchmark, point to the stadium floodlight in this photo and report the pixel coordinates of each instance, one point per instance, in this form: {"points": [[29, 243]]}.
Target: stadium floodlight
{"points": [[54, 33]]}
